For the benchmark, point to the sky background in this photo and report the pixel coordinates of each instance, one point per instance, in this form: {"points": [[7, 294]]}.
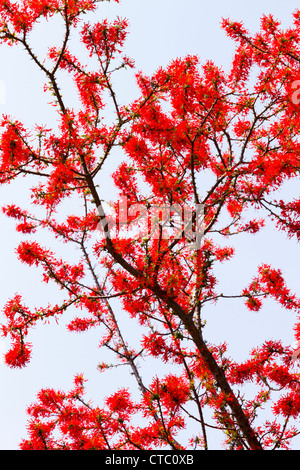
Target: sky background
{"points": [[160, 31]]}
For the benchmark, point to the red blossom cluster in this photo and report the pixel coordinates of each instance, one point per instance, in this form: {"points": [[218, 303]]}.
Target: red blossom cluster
{"points": [[82, 426]]}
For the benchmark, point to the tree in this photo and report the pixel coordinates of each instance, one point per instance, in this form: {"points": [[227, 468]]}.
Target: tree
{"points": [[150, 249]]}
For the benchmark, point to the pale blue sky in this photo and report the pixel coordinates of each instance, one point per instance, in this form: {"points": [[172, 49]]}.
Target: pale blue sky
{"points": [[160, 31]]}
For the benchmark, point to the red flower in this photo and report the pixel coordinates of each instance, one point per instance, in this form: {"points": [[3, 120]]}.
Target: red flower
{"points": [[19, 354]]}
